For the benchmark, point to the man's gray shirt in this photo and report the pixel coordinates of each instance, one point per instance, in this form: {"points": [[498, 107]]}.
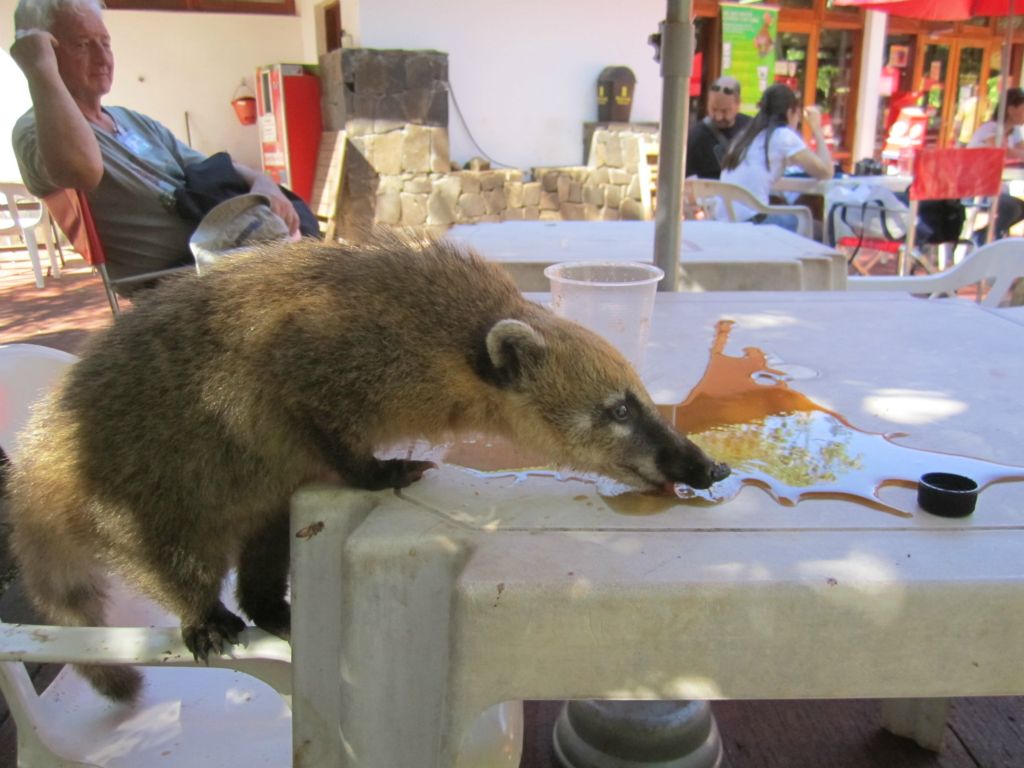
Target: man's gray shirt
{"points": [[133, 205]]}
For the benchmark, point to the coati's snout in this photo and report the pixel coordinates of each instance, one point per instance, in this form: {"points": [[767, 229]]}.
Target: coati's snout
{"points": [[651, 452], [684, 462], [572, 394]]}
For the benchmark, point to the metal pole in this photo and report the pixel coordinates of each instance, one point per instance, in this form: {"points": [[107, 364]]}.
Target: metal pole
{"points": [[1004, 76], [1004, 83], [615, 731], [676, 66]]}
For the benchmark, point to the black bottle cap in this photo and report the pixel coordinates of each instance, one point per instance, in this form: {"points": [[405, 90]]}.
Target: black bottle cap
{"points": [[947, 494]]}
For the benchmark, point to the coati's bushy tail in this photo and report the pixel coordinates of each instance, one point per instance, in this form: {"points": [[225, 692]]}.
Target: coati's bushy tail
{"points": [[69, 589]]}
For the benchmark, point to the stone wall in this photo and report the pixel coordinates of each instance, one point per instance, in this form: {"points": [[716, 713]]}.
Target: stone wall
{"points": [[386, 89], [396, 116], [615, 186], [406, 149], [457, 197], [416, 189]]}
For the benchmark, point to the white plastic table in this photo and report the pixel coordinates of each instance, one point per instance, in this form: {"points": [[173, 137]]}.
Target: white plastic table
{"points": [[827, 189], [414, 611], [715, 255], [895, 183], [809, 186]]}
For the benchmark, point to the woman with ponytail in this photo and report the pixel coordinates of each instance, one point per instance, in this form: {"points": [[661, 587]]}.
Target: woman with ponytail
{"points": [[757, 157]]}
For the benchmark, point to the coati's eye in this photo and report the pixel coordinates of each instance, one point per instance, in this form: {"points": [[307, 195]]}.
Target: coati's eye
{"points": [[619, 411]]}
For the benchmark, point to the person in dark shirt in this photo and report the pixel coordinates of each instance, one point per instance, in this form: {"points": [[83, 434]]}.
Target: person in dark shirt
{"points": [[710, 137]]}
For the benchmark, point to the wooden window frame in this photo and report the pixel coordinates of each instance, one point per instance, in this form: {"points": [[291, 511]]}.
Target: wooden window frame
{"points": [[275, 8]]}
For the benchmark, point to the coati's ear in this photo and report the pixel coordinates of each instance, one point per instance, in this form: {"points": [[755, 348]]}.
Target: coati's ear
{"points": [[512, 348]]}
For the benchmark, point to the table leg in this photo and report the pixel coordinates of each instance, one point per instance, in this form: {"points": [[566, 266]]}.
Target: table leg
{"points": [[923, 720], [632, 734], [29, 236], [371, 619]]}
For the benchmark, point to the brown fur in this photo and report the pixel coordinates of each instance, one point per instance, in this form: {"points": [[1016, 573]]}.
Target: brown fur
{"points": [[174, 445]]}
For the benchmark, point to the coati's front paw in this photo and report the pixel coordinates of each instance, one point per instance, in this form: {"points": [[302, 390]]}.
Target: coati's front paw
{"points": [[391, 473], [218, 630]]}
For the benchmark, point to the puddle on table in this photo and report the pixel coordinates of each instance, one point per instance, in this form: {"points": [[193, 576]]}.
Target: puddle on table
{"points": [[745, 412]]}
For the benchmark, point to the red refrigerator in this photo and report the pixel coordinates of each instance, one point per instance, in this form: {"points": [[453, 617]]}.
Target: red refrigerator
{"points": [[288, 109]]}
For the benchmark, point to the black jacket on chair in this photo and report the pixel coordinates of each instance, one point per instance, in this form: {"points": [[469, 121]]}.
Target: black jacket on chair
{"points": [[215, 180]]}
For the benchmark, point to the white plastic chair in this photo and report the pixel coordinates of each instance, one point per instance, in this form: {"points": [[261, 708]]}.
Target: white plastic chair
{"points": [[705, 194], [27, 372], [184, 717], [24, 222], [996, 265]]}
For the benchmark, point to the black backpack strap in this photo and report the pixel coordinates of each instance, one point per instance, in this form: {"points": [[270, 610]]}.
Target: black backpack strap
{"points": [[720, 137]]}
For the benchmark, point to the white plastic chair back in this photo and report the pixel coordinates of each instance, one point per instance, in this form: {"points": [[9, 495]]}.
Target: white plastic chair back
{"points": [[997, 264], [27, 372], [24, 221], [705, 193]]}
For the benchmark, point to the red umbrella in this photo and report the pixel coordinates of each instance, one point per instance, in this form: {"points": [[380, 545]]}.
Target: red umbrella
{"points": [[939, 10]]}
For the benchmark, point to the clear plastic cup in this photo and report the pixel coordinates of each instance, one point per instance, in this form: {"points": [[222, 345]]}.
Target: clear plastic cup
{"points": [[613, 299]]}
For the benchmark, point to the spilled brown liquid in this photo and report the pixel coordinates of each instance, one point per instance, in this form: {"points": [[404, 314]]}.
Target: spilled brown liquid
{"points": [[745, 413]]}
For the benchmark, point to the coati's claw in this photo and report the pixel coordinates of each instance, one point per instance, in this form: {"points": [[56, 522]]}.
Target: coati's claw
{"points": [[220, 630]]}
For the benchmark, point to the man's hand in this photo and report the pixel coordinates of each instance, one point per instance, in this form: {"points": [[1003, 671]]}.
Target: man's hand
{"points": [[261, 184], [33, 51], [279, 204]]}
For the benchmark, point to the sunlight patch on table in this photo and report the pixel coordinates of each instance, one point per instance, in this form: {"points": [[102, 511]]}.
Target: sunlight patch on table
{"points": [[908, 406]]}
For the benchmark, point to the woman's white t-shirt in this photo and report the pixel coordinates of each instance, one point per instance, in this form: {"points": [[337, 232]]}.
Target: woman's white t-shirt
{"points": [[754, 176]]}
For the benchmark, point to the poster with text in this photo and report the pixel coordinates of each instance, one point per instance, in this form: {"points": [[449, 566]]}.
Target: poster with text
{"points": [[748, 49]]}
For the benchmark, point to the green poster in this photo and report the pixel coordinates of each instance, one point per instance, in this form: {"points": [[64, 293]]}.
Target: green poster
{"points": [[748, 49]]}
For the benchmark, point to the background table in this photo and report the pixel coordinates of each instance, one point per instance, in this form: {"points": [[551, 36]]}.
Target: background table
{"points": [[808, 186], [716, 256], [820, 194], [413, 611]]}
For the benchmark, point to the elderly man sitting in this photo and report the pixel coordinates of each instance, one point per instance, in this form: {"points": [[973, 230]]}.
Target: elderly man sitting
{"points": [[129, 165]]}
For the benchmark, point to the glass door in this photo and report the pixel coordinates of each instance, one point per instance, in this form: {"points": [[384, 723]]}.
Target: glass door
{"points": [[933, 85], [971, 95], [835, 85], [791, 60]]}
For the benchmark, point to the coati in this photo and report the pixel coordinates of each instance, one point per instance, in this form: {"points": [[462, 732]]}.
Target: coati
{"points": [[170, 450]]}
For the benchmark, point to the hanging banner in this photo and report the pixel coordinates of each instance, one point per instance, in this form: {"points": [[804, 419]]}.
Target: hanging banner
{"points": [[748, 49]]}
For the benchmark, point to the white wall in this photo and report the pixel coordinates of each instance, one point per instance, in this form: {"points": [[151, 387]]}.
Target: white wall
{"points": [[14, 101], [167, 64], [523, 71]]}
